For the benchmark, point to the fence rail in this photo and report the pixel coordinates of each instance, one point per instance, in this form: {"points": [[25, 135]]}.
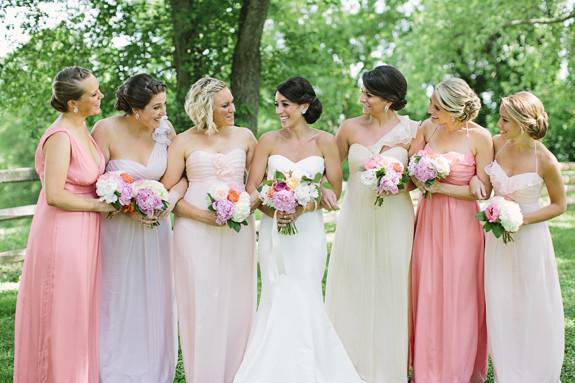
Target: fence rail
{"points": [[29, 174]]}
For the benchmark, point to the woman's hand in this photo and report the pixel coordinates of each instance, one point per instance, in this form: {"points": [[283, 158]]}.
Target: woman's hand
{"points": [[328, 199], [434, 188], [477, 188]]}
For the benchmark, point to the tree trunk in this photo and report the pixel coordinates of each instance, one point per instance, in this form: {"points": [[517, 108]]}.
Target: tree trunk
{"points": [[246, 64], [185, 32]]}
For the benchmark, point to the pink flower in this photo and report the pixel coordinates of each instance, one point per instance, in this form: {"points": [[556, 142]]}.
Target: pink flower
{"points": [[285, 201], [224, 210], [281, 186], [492, 212], [376, 161]]}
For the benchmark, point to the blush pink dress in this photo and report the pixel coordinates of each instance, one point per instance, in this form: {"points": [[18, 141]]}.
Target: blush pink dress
{"points": [[215, 274], [449, 337], [56, 337]]}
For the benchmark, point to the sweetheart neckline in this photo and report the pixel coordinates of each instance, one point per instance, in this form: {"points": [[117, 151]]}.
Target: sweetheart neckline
{"points": [[296, 162], [217, 153], [514, 175], [138, 162]]}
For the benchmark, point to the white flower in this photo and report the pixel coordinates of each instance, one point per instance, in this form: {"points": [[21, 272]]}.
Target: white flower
{"points": [[510, 216], [299, 174], [242, 208], [369, 178], [219, 191], [305, 193], [106, 188], [441, 164], [264, 196]]}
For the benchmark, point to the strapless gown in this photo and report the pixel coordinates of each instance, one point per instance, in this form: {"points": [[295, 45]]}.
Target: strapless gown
{"points": [[367, 294], [524, 306], [215, 270], [293, 340]]}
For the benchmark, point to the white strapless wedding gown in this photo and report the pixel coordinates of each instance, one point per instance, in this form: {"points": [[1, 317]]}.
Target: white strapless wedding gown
{"points": [[292, 340]]}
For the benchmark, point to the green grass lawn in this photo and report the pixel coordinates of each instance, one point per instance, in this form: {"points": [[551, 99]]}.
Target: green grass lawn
{"points": [[562, 229]]}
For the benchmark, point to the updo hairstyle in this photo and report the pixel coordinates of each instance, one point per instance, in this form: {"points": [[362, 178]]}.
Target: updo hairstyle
{"points": [[66, 86], [458, 99], [300, 91], [137, 91], [527, 111], [388, 83]]}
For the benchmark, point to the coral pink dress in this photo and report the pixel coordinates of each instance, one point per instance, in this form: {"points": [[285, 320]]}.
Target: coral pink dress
{"points": [[449, 338], [57, 310]]}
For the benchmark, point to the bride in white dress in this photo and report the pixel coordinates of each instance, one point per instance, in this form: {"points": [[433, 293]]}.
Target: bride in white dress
{"points": [[292, 340]]}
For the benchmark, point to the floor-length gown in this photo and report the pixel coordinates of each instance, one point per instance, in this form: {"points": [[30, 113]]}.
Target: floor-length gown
{"points": [[293, 340], [56, 335], [215, 273], [368, 279], [524, 307], [138, 339], [449, 339]]}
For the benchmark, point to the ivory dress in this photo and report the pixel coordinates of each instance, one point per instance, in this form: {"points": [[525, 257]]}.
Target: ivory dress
{"points": [[138, 339], [368, 279], [524, 306], [215, 270]]}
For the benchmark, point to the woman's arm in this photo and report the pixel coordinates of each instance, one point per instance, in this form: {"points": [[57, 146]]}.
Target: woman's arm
{"points": [[100, 135], [56, 164], [257, 171], [551, 174], [176, 162]]}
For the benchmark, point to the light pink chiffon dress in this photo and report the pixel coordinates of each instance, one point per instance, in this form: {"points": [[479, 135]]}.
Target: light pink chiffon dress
{"points": [[215, 274], [56, 337], [449, 337]]}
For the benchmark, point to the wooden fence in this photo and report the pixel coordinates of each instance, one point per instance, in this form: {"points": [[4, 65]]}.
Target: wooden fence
{"points": [[28, 174]]}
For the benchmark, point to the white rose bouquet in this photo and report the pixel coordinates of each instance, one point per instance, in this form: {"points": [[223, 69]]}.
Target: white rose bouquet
{"points": [[502, 217]]}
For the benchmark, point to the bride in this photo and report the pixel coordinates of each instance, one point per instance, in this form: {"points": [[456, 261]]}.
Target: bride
{"points": [[292, 340]]}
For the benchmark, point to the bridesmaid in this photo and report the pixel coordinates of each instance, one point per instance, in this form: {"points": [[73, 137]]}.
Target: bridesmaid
{"points": [[449, 339], [138, 340], [57, 309], [215, 267], [521, 284], [367, 286]]}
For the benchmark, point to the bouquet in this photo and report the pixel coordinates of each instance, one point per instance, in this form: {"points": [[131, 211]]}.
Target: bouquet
{"points": [[286, 190], [384, 175], [147, 198], [502, 217], [232, 206], [428, 168]]}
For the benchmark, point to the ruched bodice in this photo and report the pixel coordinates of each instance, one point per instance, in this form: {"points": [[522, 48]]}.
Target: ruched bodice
{"points": [[462, 166], [204, 168], [523, 188]]}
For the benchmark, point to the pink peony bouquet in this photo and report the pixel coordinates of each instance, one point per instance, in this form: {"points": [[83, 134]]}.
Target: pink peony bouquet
{"points": [[428, 168], [232, 206], [147, 198], [384, 175], [286, 191], [501, 216]]}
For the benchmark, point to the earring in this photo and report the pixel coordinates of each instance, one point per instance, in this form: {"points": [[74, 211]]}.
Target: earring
{"points": [[75, 110], [386, 109], [137, 116], [303, 111]]}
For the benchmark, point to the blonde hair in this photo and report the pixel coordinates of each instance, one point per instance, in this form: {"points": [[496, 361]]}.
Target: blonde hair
{"points": [[458, 99], [199, 104], [527, 111]]}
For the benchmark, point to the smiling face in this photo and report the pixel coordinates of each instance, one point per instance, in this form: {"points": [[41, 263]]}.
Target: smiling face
{"points": [[438, 114], [223, 108], [153, 112], [89, 103], [289, 112], [508, 128], [372, 104]]}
